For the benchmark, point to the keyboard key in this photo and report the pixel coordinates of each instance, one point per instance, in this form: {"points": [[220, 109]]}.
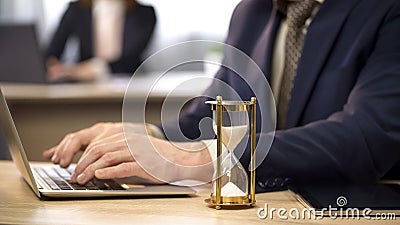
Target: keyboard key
{"points": [[47, 179], [38, 185], [90, 186], [70, 169], [60, 182], [76, 186], [100, 184], [60, 179], [63, 173], [113, 185]]}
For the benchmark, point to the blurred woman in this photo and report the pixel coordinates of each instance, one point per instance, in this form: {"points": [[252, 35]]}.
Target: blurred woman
{"points": [[112, 36]]}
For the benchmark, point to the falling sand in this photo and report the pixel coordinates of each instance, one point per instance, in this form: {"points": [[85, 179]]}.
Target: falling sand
{"points": [[230, 190]]}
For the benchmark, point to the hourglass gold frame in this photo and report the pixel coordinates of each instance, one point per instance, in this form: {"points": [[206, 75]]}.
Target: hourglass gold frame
{"points": [[219, 106]]}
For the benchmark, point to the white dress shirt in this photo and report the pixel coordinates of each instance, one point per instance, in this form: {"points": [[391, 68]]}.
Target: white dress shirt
{"points": [[108, 18], [108, 27]]}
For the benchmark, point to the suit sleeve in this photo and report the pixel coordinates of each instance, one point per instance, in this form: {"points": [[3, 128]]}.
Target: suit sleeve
{"points": [[192, 116], [358, 144], [63, 32], [143, 24]]}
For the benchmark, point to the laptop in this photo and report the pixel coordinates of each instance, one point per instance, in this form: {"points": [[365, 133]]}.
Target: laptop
{"points": [[51, 181], [20, 57]]}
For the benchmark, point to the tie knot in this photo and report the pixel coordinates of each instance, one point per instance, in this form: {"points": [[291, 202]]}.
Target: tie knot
{"points": [[297, 11]]}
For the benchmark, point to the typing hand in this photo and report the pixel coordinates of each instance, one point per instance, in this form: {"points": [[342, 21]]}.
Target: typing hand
{"points": [[106, 155], [72, 143], [109, 158], [104, 146]]}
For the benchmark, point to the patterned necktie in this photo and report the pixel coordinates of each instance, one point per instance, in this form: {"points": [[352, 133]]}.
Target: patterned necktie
{"points": [[297, 13]]}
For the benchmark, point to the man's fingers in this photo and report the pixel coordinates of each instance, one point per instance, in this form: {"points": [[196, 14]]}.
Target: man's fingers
{"points": [[119, 171], [106, 130], [107, 160], [107, 140], [67, 151], [122, 170], [95, 151], [91, 155], [64, 152], [48, 153]]}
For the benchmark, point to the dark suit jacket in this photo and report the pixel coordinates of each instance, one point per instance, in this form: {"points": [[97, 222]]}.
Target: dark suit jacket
{"points": [[343, 122], [77, 21]]}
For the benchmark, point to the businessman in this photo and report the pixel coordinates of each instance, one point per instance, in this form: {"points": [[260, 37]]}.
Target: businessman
{"points": [[337, 94]]}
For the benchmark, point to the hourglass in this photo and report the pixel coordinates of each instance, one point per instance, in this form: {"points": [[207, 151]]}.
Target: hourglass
{"points": [[231, 124]]}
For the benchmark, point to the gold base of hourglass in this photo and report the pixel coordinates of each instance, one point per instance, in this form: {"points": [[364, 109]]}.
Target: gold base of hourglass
{"points": [[230, 201]]}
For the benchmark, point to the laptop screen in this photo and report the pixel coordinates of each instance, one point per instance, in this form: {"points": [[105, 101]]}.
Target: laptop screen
{"points": [[14, 144], [20, 57]]}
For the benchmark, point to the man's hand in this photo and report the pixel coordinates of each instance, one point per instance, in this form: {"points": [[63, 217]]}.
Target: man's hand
{"points": [[64, 152], [107, 155], [108, 158]]}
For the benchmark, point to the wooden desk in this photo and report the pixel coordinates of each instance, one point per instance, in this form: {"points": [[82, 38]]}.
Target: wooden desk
{"points": [[43, 114], [19, 205]]}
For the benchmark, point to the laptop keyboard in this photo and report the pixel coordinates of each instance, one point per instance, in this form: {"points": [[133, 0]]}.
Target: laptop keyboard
{"points": [[60, 179]]}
